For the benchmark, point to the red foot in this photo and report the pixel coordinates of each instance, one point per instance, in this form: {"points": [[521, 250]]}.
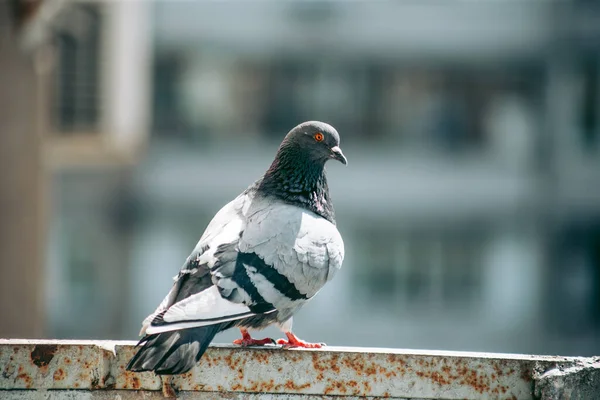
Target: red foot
{"points": [[247, 340], [293, 341]]}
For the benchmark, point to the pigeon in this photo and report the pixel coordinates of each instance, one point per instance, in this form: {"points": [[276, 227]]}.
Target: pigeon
{"points": [[261, 258]]}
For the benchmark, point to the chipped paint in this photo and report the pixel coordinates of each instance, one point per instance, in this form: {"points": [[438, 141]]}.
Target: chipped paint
{"points": [[331, 371]]}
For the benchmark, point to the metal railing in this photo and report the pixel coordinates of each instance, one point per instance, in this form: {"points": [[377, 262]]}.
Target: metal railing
{"points": [[53, 369]]}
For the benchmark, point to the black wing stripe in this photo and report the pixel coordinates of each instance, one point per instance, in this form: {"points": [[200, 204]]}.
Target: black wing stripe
{"points": [[241, 278], [279, 281]]}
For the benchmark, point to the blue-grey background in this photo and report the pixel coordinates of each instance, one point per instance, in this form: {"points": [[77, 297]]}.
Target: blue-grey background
{"points": [[470, 206]]}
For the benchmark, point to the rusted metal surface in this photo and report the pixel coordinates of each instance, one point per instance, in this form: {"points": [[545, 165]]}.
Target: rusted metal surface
{"points": [[42, 364], [135, 395], [99, 367]]}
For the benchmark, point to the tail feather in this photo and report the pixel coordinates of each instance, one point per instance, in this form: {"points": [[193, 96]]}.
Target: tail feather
{"points": [[174, 352]]}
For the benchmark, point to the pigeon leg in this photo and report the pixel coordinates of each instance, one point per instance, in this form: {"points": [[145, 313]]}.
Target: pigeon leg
{"points": [[247, 340], [293, 341]]}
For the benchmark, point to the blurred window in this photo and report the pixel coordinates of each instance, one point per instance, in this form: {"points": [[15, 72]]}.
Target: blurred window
{"points": [[590, 104], [572, 293], [449, 109], [415, 269], [89, 250], [77, 86]]}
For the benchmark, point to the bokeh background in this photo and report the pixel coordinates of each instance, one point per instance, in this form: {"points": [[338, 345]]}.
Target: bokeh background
{"points": [[470, 207]]}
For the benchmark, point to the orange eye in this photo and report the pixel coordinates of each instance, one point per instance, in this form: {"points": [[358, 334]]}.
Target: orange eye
{"points": [[319, 137]]}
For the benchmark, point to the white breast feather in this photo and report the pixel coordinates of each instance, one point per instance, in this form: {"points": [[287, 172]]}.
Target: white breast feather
{"points": [[297, 243]]}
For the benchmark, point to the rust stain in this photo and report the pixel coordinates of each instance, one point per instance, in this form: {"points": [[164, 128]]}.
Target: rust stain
{"points": [[389, 374], [187, 376], [475, 381], [498, 370], [333, 363], [42, 354], [292, 357], [233, 362], [340, 387], [320, 376], [337, 387], [59, 375], [370, 370], [270, 386], [396, 359], [84, 377], [267, 386], [228, 360], [135, 381], [322, 364], [526, 375], [440, 379], [462, 373], [317, 366], [355, 363], [208, 360], [261, 357], [131, 380], [260, 386], [367, 386], [290, 385], [25, 378]]}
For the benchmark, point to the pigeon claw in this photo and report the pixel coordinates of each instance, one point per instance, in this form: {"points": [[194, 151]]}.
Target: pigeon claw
{"points": [[247, 340], [293, 341]]}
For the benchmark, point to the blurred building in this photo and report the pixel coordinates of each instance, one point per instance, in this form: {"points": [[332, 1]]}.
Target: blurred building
{"points": [[470, 206]]}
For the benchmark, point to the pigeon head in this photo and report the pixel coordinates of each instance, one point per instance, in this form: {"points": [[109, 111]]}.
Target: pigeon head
{"points": [[297, 175], [315, 140]]}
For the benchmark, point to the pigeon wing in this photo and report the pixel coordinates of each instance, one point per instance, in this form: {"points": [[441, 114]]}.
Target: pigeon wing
{"points": [[196, 298]]}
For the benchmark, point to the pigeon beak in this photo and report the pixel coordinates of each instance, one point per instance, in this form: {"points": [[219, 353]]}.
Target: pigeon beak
{"points": [[336, 153]]}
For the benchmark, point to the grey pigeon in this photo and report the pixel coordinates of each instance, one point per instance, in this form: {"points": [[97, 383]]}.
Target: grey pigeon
{"points": [[261, 258]]}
